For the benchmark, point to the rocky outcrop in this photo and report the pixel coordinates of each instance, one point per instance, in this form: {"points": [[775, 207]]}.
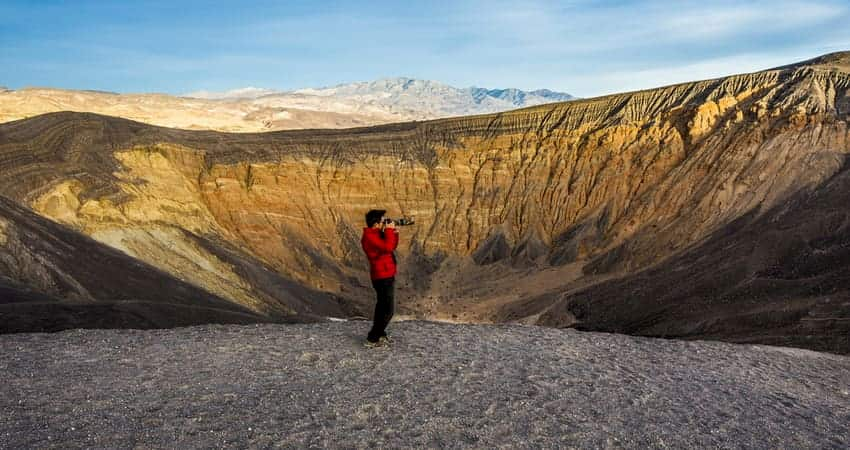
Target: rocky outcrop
{"points": [[779, 276], [512, 210], [53, 278]]}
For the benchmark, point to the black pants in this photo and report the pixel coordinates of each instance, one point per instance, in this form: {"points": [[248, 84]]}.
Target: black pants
{"points": [[383, 308]]}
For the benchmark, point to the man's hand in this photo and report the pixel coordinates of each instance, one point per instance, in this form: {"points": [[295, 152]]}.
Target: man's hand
{"points": [[390, 225]]}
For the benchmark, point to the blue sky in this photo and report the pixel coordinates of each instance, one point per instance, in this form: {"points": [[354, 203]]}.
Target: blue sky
{"points": [[581, 47]]}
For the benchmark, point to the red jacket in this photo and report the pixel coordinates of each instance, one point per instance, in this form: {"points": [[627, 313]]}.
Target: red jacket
{"points": [[380, 251]]}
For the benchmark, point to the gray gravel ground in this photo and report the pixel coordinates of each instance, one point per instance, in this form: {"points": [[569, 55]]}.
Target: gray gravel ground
{"points": [[439, 386]]}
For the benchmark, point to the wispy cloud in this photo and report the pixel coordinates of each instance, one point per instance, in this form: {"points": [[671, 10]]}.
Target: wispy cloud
{"points": [[632, 80], [705, 21], [578, 27]]}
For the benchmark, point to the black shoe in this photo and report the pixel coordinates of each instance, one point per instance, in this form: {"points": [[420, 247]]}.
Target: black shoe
{"points": [[373, 344]]}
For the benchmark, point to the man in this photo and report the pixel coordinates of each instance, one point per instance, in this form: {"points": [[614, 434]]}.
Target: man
{"points": [[379, 241]]}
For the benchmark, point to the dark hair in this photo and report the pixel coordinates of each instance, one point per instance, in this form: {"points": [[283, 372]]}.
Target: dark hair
{"points": [[374, 216]]}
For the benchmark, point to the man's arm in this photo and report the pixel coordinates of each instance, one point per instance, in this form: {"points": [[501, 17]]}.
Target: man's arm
{"points": [[391, 238], [388, 244]]}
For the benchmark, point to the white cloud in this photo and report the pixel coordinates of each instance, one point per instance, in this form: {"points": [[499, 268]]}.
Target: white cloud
{"points": [[558, 29], [632, 80], [707, 21]]}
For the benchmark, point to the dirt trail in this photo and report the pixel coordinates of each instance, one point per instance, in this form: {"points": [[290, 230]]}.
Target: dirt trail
{"points": [[440, 386]]}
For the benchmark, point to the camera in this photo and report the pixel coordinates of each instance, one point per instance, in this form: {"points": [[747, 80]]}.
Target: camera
{"points": [[400, 222]]}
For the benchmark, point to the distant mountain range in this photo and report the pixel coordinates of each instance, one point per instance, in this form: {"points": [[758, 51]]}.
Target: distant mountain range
{"points": [[258, 109], [404, 97], [234, 94]]}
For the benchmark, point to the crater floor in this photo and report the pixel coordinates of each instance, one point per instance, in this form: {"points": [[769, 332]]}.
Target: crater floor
{"points": [[440, 385]]}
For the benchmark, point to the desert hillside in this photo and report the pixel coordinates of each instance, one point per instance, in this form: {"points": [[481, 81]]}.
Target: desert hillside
{"points": [[251, 110], [704, 209], [54, 278], [236, 115], [439, 386]]}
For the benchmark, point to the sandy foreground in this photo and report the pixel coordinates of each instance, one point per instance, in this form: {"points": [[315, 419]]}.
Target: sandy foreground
{"points": [[440, 385]]}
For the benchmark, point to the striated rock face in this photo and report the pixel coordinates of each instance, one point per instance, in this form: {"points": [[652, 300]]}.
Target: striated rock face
{"points": [[778, 276], [52, 278], [514, 211]]}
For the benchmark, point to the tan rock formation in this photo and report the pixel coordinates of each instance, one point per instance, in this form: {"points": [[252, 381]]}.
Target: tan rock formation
{"points": [[182, 112], [53, 278]]}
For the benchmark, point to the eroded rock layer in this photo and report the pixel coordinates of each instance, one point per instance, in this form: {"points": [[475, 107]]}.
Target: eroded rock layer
{"points": [[53, 278], [513, 210]]}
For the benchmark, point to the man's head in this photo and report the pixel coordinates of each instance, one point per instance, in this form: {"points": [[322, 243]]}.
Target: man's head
{"points": [[374, 216]]}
